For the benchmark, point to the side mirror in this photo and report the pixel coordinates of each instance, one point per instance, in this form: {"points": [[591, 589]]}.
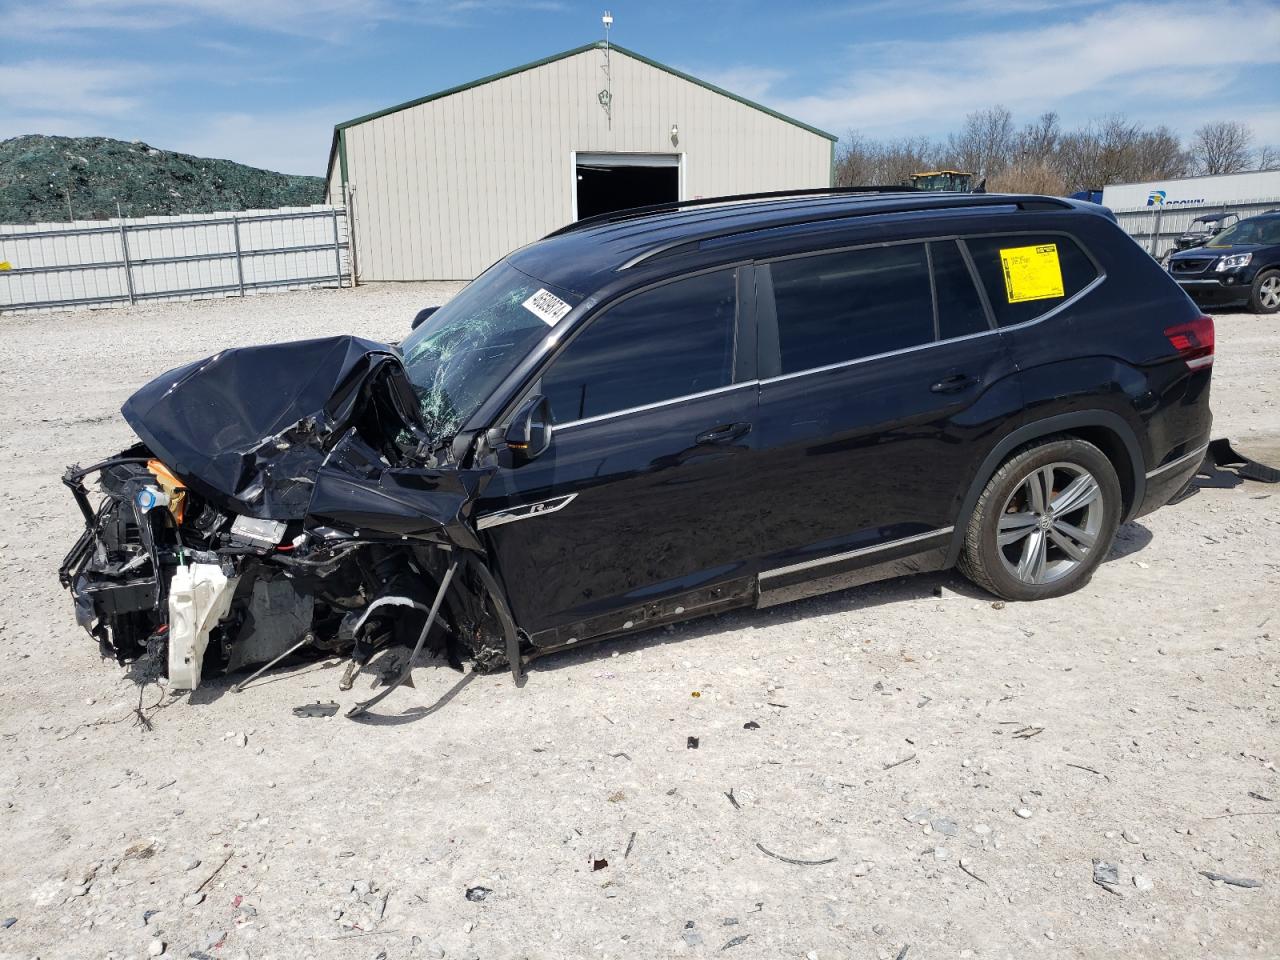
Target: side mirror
{"points": [[421, 316], [528, 435]]}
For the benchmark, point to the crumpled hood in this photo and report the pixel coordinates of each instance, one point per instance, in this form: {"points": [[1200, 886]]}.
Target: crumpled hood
{"points": [[250, 427]]}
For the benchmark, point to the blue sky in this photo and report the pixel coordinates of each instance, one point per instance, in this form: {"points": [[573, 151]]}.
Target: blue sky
{"points": [[263, 81]]}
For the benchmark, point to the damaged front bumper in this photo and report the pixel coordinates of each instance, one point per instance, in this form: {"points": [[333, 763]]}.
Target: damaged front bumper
{"points": [[283, 497]]}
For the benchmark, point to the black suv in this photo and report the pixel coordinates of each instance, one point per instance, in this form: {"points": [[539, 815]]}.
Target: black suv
{"points": [[658, 414], [1238, 267]]}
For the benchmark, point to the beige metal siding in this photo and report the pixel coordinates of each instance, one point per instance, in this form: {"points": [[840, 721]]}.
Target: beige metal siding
{"points": [[443, 189]]}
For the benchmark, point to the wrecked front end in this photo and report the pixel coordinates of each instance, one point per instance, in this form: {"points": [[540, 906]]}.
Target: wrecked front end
{"points": [[281, 498]]}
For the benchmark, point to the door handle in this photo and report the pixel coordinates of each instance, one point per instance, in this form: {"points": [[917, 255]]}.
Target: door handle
{"points": [[954, 383], [725, 433]]}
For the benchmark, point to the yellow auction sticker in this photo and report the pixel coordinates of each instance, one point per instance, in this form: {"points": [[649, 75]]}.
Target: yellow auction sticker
{"points": [[1031, 273], [5, 265]]}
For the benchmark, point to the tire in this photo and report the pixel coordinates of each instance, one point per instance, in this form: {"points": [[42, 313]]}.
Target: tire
{"points": [[1044, 554], [1264, 295]]}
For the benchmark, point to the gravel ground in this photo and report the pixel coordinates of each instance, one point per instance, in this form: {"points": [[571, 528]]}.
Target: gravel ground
{"points": [[961, 765]]}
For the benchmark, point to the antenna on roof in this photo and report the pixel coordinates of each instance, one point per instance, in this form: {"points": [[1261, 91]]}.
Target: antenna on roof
{"points": [[605, 96]]}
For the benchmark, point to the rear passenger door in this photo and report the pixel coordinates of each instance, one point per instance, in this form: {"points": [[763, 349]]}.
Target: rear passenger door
{"points": [[881, 373]]}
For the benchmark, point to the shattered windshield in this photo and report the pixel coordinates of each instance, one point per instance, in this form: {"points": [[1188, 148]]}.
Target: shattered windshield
{"points": [[466, 348]]}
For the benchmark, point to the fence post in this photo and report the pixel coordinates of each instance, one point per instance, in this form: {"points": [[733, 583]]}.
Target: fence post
{"points": [[337, 251], [235, 226], [128, 268]]}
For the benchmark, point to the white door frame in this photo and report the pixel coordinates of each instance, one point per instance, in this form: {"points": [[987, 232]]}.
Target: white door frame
{"points": [[573, 171]]}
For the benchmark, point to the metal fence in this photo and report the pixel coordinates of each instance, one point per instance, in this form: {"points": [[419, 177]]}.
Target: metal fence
{"points": [[50, 266], [1155, 228]]}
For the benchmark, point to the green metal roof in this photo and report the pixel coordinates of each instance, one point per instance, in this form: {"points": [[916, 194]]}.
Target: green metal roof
{"points": [[597, 45]]}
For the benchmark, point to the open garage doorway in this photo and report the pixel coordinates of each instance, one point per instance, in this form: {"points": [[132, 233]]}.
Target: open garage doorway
{"points": [[614, 181]]}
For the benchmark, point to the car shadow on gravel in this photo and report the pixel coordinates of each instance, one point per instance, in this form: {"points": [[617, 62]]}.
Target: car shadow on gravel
{"points": [[1130, 538]]}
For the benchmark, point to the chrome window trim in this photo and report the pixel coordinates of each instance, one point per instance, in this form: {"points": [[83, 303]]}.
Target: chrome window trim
{"points": [[561, 427], [1198, 452], [851, 554], [977, 280], [938, 343]]}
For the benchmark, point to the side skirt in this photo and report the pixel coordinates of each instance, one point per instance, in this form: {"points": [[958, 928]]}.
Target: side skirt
{"points": [[896, 559], [696, 603]]}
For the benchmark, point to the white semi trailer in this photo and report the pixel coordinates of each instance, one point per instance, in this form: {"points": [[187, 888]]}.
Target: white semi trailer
{"points": [[1227, 188]]}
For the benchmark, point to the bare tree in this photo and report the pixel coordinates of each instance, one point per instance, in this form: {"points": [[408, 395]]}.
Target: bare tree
{"points": [[1268, 158], [1222, 147], [1037, 142], [984, 145], [862, 162]]}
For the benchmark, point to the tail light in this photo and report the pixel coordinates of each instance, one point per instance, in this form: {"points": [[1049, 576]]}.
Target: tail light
{"points": [[1193, 341]]}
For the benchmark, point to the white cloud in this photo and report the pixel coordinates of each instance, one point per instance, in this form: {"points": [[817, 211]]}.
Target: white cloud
{"points": [[296, 141], [1140, 58], [329, 20], [66, 87], [754, 83]]}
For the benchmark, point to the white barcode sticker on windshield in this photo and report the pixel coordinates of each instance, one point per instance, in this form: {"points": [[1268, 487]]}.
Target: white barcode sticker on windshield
{"points": [[547, 307]]}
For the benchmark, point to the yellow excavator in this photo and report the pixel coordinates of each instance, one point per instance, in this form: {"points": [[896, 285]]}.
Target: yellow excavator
{"points": [[945, 180]]}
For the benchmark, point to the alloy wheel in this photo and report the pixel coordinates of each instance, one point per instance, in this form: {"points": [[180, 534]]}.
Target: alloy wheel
{"points": [[1269, 292], [1050, 523]]}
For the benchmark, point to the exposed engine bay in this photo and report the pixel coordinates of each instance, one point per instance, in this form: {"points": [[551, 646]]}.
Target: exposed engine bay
{"points": [[284, 497]]}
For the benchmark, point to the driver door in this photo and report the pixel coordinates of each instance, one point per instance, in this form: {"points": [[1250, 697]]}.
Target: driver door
{"points": [[641, 508]]}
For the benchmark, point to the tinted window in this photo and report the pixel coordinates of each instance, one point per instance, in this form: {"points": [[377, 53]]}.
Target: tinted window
{"points": [[1016, 301], [960, 311], [842, 306], [667, 342]]}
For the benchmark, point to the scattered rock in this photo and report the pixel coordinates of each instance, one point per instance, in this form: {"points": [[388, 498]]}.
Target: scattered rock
{"points": [[80, 890], [981, 829], [190, 863], [1142, 883], [861, 868], [155, 948], [477, 894], [944, 826], [362, 888], [1023, 813], [1129, 837], [193, 900]]}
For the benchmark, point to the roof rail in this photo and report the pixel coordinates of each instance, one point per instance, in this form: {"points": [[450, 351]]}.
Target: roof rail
{"points": [[913, 204], [631, 213]]}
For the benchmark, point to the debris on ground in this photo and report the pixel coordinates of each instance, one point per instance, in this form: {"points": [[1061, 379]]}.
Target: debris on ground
{"points": [[1107, 876], [477, 894], [316, 709], [1230, 880], [692, 743], [799, 863], [737, 941]]}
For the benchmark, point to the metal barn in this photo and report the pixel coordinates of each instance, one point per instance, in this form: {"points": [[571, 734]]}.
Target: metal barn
{"points": [[440, 187]]}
